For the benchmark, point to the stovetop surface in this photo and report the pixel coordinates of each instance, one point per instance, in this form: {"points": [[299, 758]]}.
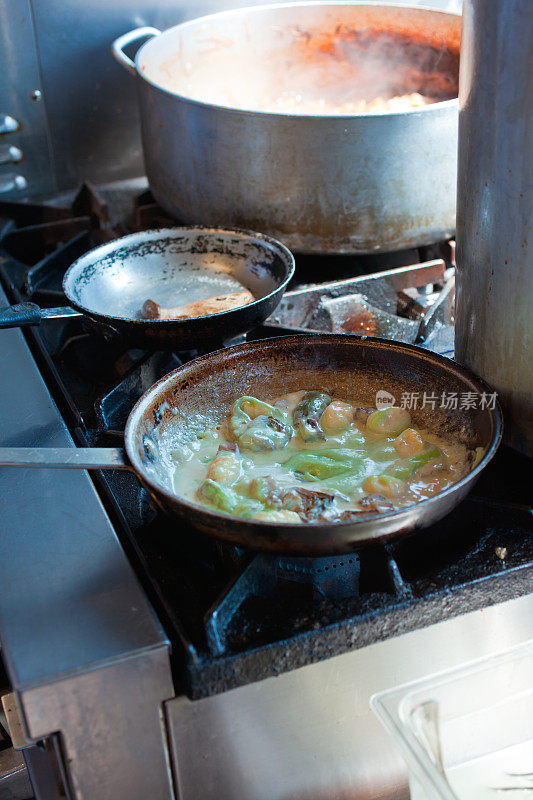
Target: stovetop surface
{"points": [[227, 625]]}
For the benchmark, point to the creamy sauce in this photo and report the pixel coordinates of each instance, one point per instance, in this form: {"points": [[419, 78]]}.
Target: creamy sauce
{"points": [[368, 454]]}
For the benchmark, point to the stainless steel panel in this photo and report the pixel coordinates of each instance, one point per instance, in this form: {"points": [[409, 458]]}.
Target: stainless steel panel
{"points": [[494, 318], [111, 726], [69, 597], [23, 122], [91, 104], [43, 762], [85, 652], [309, 734]]}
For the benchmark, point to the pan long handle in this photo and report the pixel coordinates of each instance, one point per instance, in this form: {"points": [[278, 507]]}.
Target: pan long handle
{"points": [[65, 457], [22, 314], [117, 48]]}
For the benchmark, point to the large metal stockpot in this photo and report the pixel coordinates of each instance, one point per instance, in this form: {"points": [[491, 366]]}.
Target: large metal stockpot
{"points": [[344, 183]]}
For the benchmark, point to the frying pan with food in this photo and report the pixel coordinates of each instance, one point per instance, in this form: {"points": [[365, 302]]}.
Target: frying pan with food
{"points": [[172, 267], [198, 395]]}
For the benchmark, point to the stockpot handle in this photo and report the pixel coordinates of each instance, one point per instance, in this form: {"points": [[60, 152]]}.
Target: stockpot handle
{"points": [[117, 48], [65, 457]]}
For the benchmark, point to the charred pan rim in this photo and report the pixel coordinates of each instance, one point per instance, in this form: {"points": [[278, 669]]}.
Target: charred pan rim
{"points": [[105, 250], [477, 384], [443, 104]]}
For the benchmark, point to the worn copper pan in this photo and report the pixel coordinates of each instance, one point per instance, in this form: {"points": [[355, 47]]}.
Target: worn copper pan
{"points": [[199, 395]]}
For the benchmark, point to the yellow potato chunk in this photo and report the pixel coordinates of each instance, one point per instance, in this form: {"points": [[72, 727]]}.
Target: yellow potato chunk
{"points": [[385, 485], [224, 469], [337, 416], [388, 421], [409, 443], [275, 515]]}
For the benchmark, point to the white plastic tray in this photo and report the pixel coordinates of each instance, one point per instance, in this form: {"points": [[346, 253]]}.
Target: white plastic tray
{"points": [[467, 733]]}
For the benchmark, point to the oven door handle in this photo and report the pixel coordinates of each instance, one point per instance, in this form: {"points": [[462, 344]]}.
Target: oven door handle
{"points": [[117, 48], [65, 457]]}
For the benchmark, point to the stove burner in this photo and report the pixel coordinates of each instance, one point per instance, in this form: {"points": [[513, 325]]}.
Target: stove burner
{"points": [[329, 577], [266, 576]]}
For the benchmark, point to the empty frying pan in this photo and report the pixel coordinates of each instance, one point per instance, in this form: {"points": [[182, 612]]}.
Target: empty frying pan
{"points": [[173, 267], [199, 395]]}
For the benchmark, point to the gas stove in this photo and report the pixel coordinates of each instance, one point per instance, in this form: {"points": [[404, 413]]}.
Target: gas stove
{"points": [[230, 619]]}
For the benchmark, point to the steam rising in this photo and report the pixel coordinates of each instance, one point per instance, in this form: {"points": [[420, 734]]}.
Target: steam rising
{"points": [[316, 71]]}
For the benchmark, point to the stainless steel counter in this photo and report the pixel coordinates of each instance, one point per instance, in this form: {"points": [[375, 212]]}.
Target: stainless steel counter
{"points": [[78, 636]]}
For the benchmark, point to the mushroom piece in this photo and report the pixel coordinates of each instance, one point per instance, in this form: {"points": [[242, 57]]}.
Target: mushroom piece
{"points": [[307, 414], [200, 308]]}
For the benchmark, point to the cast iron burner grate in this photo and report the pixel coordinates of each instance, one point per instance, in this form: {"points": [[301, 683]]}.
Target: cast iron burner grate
{"points": [[235, 616], [329, 578]]}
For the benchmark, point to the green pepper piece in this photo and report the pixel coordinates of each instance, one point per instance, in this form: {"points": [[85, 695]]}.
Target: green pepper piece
{"points": [[216, 494], [268, 431], [247, 508], [338, 453], [406, 467], [307, 414], [265, 433], [349, 481], [388, 421], [382, 451], [352, 438], [321, 464], [239, 419]]}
